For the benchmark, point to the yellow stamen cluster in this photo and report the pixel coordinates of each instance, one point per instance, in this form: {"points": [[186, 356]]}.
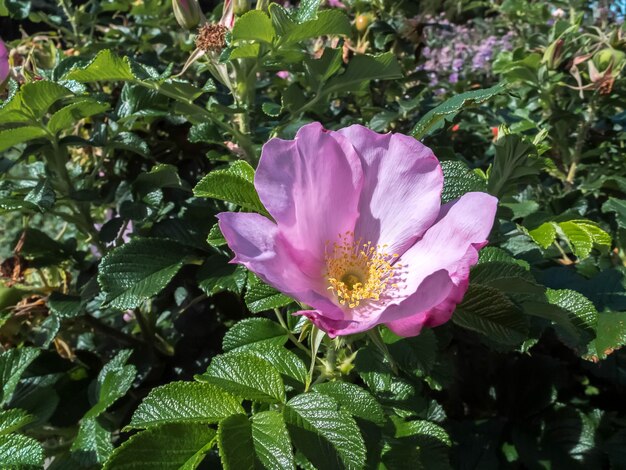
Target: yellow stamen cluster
{"points": [[358, 271]]}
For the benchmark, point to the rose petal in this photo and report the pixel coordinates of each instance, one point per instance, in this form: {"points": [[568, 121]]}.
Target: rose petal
{"points": [[258, 245], [311, 187], [402, 188]]}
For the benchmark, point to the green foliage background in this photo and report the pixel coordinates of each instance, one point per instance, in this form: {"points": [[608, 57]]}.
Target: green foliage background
{"points": [[129, 341]]}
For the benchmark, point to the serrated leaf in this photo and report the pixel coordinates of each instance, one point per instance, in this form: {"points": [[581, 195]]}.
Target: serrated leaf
{"points": [[515, 160], [13, 419], [260, 297], [13, 363], [488, 311], [618, 206], [217, 275], [354, 399], [363, 69], [583, 313], [215, 237], [610, 334], [32, 101], [160, 176], [92, 445], [134, 272], [234, 184], [254, 25], [167, 447], [458, 179], [247, 376], [432, 441], [185, 402], [582, 235], [19, 135], [42, 196], [544, 235], [114, 380], [325, 434], [434, 118], [254, 330], [105, 66], [271, 441], [234, 440], [327, 23], [18, 451], [69, 115], [65, 306]]}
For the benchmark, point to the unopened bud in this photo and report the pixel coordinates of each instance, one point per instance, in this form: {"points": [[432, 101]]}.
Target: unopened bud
{"points": [[554, 54], [242, 6], [609, 57], [188, 13], [5, 68], [211, 37]]}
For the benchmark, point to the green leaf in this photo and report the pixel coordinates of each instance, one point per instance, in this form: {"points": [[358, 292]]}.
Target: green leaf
{"points": [[32, 101], [582, 311], [247, 376], [18, 451], [13, 363], [215, 237], [234, 440], [515, 160], [325, 434], [254, 25], [362, 69], [217, 275], [105, 66], [19, 135], [582, 235], [307, 10], [114, 380], [42, 195], [327, 23], [92, 445], [138, 270], [271, 440], [13, 419], [544, 235], [432, 441], [69, 115], [65, 306], [488, 311], [160, 176], [357, 401], [458, 179], [185, 402], [435, 118], [618, 206], [251, 331], [260, 297], [234, 184], [168, 447], [610, 334]]}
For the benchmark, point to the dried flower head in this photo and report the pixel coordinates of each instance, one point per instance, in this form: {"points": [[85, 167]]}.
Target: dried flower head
{"points": [[211, 37]]}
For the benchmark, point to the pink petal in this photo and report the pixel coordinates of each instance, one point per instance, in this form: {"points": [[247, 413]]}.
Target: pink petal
{"points": [[452, 244], [311, 187], [433, 290], [4, 62], [401, 191], [258, 245]]}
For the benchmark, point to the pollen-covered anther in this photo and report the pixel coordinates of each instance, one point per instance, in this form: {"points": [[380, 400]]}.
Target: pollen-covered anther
{"points": [[358, 271], [211, 37]]}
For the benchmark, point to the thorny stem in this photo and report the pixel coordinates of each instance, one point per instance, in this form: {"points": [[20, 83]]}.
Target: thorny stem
{"points": [[583, 131]]}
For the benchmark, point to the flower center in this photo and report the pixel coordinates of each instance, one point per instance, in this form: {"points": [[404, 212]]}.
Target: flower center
{"points": [[358, 271]]}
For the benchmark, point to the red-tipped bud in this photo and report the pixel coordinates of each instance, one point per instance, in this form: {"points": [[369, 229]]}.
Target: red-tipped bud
{"points": [[188, 13]]}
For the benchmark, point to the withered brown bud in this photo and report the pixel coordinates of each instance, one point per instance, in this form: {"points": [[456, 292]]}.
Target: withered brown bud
{"points": [[211, 37]]}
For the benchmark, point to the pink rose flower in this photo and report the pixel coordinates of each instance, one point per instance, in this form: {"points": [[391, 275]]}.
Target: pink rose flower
{"points": [[359, 233], [4, 62]]}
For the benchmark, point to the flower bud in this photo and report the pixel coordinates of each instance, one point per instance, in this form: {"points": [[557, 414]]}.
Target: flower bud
{"points": [[609, 57], [188, 13], [5, 68], [242, 6], [363, 21], [554, 54]]}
